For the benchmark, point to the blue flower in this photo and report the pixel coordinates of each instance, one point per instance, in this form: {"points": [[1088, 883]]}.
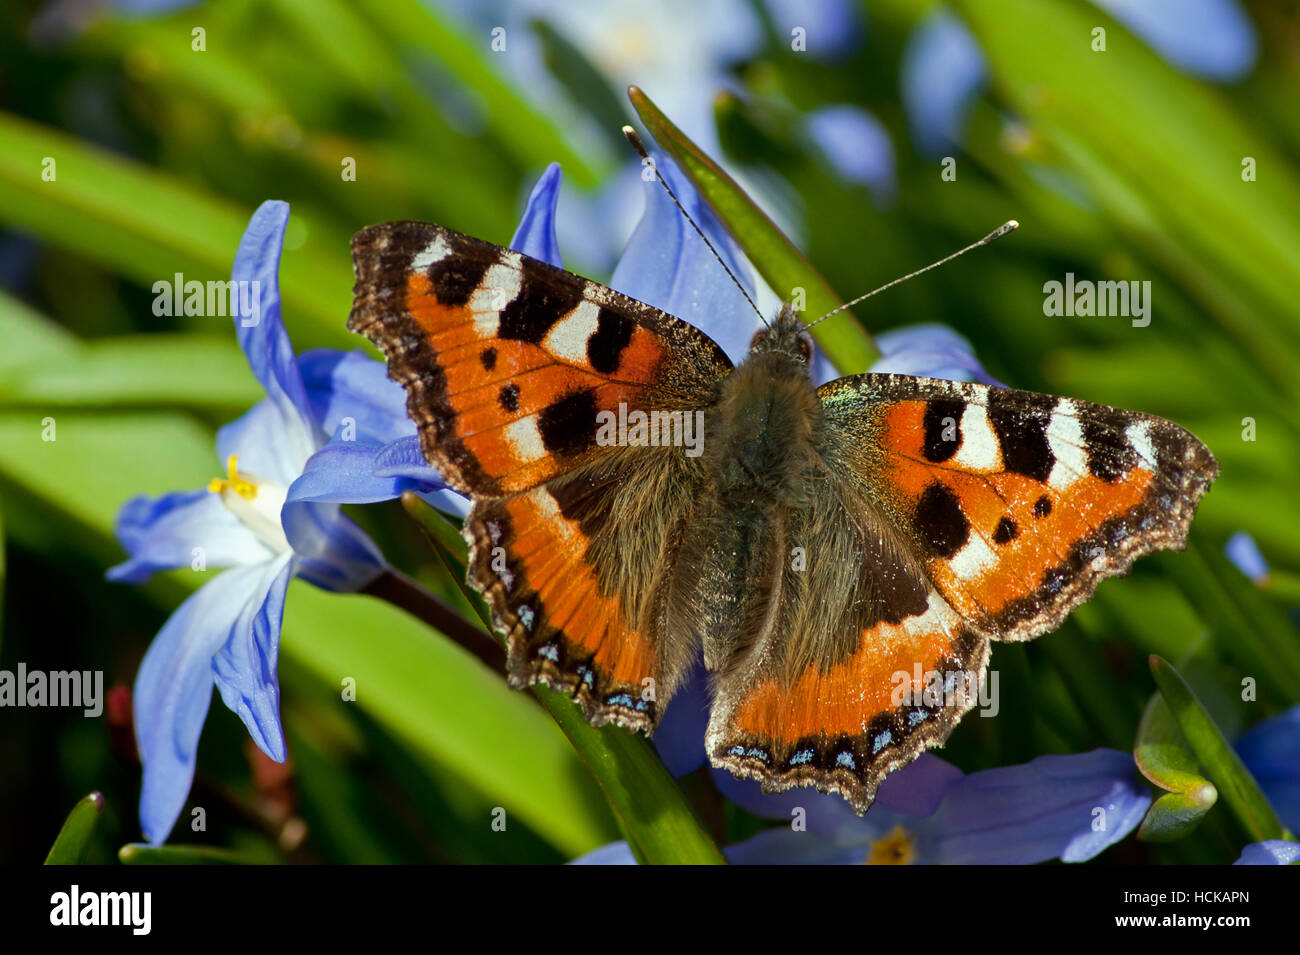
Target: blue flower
{"points": [[1054, 807], [1271, 751], [273, 516], [1242, 550], [943, 68], [1270, 852], [857, 146]]}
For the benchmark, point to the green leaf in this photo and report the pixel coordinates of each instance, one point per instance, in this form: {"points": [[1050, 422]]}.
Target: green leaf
{"points": [[1222, 765], [1165, 165], [70, 845], [1163, 756], [781, 265], [149, 226], [201, 371], [138, 853], [660, 824]]}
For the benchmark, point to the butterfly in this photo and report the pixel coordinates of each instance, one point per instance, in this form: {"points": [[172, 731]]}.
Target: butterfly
{"points": [[840, 556]]}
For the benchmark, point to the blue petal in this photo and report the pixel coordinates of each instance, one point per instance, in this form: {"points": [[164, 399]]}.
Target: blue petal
{"points": [[262, 335], [942, 70], [615, 853], [679, 737], [173, 689], [404, 458], [857, 145], [353, 388], [267, 444], [929, 351], [919, 787], [832, 29], [344, 472], [1270, 852], [1040, 810], [244, 669], [1242, 550], [668, 266], [784, 846], [536, 233], [1271, 751], [827, 815], [1211, 38], [335, 553], [161, 533]]}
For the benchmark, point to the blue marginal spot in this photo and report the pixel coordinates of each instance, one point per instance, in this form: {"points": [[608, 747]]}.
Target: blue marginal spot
{"points": [[917, 716], [736, 751], [881, 741], [588, 677], [641, 706], [801, 757], [619, 699], [550, 651], [846, 760], [758, 754]]}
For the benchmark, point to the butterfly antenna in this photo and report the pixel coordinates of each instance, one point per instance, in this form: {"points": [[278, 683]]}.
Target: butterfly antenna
{"points": [[999, 232], [639, 146]]}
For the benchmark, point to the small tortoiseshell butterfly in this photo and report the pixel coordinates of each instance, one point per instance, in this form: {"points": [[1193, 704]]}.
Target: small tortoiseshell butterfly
{"points": [[827, 548]]}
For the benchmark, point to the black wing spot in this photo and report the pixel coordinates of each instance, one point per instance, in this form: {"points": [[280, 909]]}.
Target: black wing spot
{"points": [[509, 397], [943, 428], [605, 346], [1006, 531], [542, 301], [1020, 421], [569, 425], [1109, 456], [1042, 506], [940, 521], [489, 358], [457, 275]]}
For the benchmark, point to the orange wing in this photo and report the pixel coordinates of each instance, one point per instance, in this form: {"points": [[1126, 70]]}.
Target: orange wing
{"points": [[508, 361], [510, 365], [1021, 503], [952, 514]]}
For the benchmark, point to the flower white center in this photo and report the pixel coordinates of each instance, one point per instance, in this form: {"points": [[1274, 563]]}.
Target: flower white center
{"points": [[256, 503]]}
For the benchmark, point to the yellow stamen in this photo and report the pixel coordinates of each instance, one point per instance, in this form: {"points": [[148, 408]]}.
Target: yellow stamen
{"points": [[895, 848], [240, 485]]}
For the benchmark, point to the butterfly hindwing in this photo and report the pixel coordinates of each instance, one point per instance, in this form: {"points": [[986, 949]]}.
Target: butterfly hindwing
{"points": [[865, 664], [507, 363]]}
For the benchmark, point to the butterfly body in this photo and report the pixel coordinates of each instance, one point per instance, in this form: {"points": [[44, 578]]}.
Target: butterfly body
{"points": [[839, 557]]}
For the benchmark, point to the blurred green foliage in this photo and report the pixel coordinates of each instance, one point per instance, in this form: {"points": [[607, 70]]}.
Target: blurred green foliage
{"points": [[1117, 166]]}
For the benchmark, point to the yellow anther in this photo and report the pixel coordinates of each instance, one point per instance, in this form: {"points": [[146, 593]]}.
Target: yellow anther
{"points": [[240, 485], [895, 848]]}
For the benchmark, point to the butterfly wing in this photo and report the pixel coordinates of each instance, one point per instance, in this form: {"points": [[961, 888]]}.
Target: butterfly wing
{"points": [[509, 364], [951, 514], [1021, 503]]}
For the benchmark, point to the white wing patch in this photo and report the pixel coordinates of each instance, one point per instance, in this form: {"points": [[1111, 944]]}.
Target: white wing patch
{"points": [[1065, 438], [568, 339], [434, 252], [500, 287], [980, 449]]}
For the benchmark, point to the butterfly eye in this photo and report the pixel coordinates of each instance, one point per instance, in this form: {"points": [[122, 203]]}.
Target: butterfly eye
{"points": [[805, 346], [760, 336]]}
